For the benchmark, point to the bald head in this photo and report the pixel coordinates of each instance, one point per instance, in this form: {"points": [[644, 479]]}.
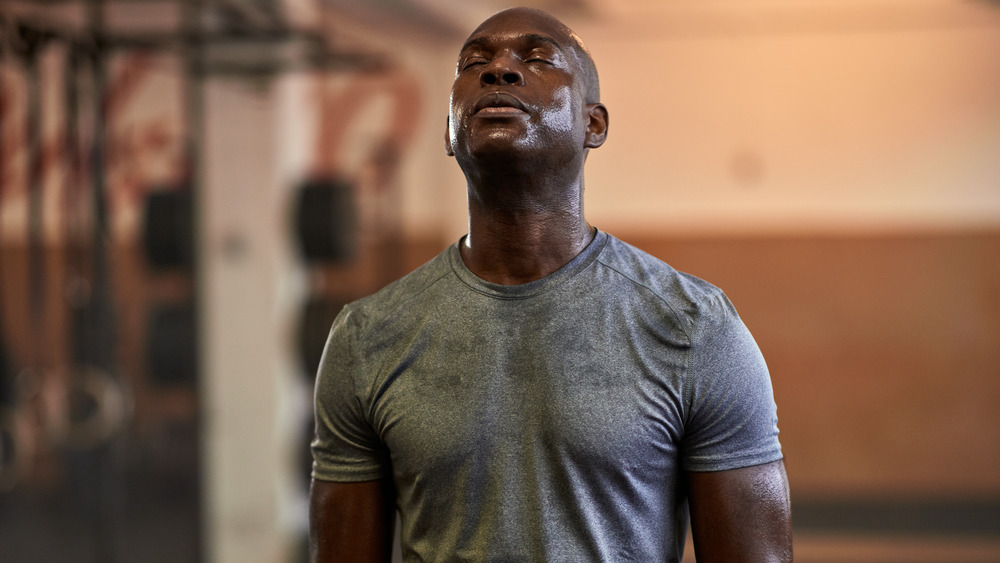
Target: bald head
{"points": [[525, 90], [566, 37]]}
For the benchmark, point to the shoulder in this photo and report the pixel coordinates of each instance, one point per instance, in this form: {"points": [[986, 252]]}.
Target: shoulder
{"points": [[367, 311], [689, 297], [359, 328]]}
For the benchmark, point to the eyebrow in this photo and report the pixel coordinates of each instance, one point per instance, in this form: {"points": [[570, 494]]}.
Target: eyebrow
{"points": [[529, 38]]}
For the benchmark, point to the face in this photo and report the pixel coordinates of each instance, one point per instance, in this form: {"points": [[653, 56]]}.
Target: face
{"points": [[518, 89]]}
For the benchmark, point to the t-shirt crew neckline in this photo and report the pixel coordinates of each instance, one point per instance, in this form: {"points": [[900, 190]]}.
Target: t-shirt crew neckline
{"points": [[522, 291]]}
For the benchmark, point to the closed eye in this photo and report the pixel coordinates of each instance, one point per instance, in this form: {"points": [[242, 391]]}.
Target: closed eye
{"points": [[540, 55], [473, 62]]}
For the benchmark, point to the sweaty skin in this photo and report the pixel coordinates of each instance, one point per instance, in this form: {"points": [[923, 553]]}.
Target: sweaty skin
{"points": [[524, 114], [524, 169]]}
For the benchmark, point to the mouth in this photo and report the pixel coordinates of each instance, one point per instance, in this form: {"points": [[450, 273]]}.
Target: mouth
{"points": [[499, 103]]}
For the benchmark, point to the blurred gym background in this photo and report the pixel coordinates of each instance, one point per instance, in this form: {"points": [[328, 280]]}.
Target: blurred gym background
{"points": [[192, 188]]}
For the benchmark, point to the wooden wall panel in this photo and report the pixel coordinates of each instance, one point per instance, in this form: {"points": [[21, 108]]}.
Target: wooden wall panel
{"points": [[884, 353]]}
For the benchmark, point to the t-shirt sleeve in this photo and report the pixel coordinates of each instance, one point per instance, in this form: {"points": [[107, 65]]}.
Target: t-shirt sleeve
{"points": [[731, 419], [345, 448]]}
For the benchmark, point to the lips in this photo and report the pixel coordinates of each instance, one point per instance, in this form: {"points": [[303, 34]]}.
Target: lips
{"points": [[499, 103]]}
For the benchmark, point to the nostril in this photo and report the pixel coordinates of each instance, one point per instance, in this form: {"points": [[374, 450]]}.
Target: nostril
{"points": [[489, 78], [511, 78]]}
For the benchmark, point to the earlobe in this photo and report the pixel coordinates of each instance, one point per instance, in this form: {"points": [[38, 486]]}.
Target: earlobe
{"points": [[597, 125], [447, 137]]}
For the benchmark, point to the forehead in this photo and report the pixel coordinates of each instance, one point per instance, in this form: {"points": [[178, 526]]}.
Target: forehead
{"points": [[521, 28]]}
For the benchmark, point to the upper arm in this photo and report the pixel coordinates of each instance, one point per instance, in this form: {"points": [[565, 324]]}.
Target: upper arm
{"points": [[346, 447], [730, 417], [351, 522], [741, 514], [352, 499]]}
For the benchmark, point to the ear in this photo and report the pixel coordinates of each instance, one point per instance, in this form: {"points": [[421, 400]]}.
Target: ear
{"points": [[447, 136], [597, 125]]}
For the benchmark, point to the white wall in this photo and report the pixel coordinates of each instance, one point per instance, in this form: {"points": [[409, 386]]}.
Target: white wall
{"points": [[249, 287]]}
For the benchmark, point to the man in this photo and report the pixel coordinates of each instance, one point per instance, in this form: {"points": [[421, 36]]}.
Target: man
{"points": [[542, 391]]}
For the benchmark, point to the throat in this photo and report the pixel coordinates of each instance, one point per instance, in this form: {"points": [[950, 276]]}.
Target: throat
{"points": [[514, 254]]}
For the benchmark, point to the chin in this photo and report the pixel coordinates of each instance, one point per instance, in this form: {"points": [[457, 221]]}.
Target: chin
{"points": [[501, 144]]}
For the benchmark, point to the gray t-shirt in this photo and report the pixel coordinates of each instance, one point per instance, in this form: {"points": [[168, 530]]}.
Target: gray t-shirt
{"points": [[549, 421]]}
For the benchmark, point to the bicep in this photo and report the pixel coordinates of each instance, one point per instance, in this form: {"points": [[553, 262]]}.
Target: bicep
{"points": [[351, 522], [741, 514]]}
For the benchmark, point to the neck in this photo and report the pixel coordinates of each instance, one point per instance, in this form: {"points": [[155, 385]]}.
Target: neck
{"points": [[522, 227]]}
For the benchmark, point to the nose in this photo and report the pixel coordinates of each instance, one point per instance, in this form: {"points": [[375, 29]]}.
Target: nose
{"points": [[502, 70]]}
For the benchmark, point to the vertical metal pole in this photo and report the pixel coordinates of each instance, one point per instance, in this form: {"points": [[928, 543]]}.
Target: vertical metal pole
{"points": [[102, 334], [33, 134], [8, 465], [99, 191], [109, 460], [4, 107], [194, 92], [79, 288], [76, 289]]}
